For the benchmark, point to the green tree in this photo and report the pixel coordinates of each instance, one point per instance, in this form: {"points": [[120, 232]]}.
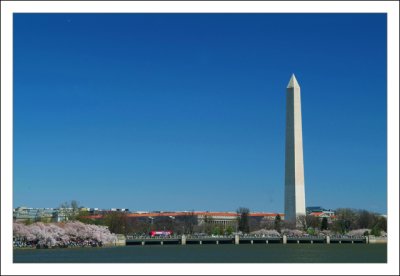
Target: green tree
{"points": [[344, 225], [218, 230], [28, 221], [336, 226], [382, 224], [364, 219], [83, 216], [324, 224], [243, 219], [346, 220], [221, 230], [190, 221], [277, 223], [311, 231], [208, 225], [229, 230], [45, 219], [116, 222], [312, 221], [376, 231]]}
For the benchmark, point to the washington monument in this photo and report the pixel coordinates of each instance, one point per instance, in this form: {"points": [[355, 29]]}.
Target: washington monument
{"points": [[294, 166]]}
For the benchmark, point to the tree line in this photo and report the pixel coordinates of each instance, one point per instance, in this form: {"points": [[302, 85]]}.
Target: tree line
{"points": [[345, 221]]}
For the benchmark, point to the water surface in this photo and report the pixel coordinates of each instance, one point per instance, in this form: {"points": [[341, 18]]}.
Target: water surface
{"points": [[256, 253]]}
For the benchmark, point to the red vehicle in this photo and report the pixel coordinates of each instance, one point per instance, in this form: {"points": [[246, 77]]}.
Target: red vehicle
{"points": [[160, 233]]}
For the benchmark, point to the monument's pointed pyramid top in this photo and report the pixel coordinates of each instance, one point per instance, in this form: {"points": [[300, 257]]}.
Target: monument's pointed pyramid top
{"points": [[293, 82]]}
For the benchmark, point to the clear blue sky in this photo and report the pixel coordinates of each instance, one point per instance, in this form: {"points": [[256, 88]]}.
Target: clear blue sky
{"points": [[187, 111]]}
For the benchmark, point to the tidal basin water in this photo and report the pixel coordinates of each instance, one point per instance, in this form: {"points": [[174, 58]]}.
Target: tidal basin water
{"points": [[257, 253]]}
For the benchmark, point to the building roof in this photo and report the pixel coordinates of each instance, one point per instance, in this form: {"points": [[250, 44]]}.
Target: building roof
{"points": [[321, 214]]}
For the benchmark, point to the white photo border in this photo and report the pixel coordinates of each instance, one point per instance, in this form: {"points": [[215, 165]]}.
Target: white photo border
{"points": [[391, 8]]}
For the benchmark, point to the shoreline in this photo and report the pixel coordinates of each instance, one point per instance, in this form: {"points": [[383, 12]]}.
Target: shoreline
{"points": [[57, 247]]}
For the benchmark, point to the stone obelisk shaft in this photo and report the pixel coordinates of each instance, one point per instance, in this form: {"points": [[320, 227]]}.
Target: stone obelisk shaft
{"points": [[294, 165]]}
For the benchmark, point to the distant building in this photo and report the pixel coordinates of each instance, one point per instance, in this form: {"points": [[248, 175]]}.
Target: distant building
{"points": [[318, 211], [42, 214], [313, 209], [34, 214], [201, 217], [119, 210], [221, 218]]}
